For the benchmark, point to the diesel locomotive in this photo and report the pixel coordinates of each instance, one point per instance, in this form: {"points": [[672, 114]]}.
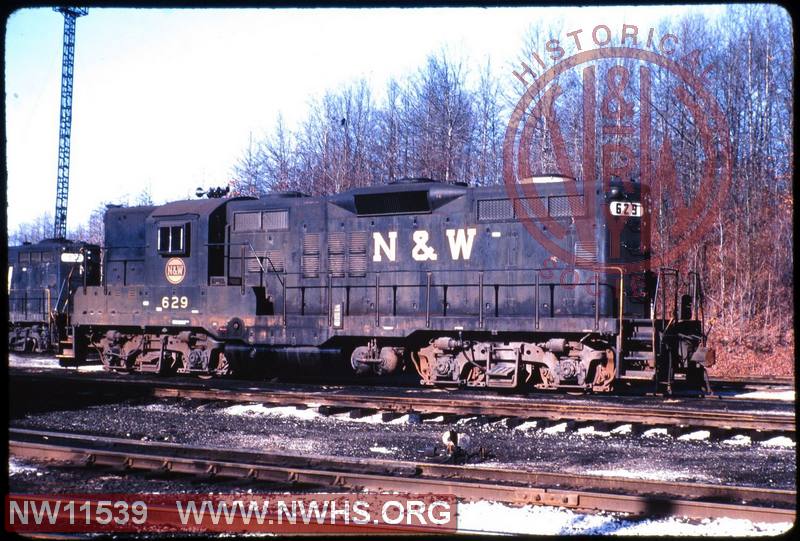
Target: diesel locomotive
{"points": [[42, 278], [439, 278]]}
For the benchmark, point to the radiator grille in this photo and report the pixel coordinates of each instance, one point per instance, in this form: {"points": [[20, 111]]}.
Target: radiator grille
{"points": [[490, 210], [530, 206], [247, 221], [337, 259], [562, 205], [310, 260], [276, 220], [276, 259], [585, 252], [358, 253]]}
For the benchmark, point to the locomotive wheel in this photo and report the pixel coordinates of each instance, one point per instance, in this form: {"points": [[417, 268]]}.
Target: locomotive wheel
{"points": [[390, 360], [356, 361]]}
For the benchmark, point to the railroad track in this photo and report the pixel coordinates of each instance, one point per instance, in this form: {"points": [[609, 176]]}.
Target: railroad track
{"points": [[530, 408], [578, 492], [695, 414]]}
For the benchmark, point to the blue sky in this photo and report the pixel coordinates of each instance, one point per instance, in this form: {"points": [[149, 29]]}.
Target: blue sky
{"points": [[167, 99]]}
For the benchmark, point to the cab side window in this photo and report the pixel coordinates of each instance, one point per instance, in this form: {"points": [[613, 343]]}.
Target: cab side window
{"points": [[173, 239]]}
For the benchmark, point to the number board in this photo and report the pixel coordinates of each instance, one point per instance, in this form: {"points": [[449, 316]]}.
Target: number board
{"points": [[624, 208]]}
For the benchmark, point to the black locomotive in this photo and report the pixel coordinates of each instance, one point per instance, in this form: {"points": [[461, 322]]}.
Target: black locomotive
{"points": [[42, 278], [444, 279]]}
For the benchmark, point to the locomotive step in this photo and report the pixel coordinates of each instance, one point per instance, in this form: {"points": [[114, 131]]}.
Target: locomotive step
{"points": [[638, 374], [640, 356], [642, 328], [633, 344]]}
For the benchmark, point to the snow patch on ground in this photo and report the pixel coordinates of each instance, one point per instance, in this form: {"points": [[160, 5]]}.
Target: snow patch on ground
{"points": [[272, 443], [696, 435], [556, 429], [491, 517], [465, 420], [622, 429], [382, 450], [761, 412], [261, 409], [656, 433], [161, 408], [91, 368], [738, 439], [437, 419], [652, 475], [527, 425], [403, 419], [16, 467], [768, 395], [32, 362], [592, 431], [15, 361], [779, 441]]}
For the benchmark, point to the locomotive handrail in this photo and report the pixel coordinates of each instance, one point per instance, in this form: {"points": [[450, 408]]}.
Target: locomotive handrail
{"points": [[596, 300], [67, 281], [698, 308], [471, 272], [621, 306], [417, 270]]}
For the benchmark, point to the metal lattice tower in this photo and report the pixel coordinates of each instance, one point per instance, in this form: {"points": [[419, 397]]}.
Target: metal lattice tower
{"points": [[65, 126]]}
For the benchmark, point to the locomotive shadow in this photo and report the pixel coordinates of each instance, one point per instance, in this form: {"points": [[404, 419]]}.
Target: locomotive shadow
{"points": [[31, 394]]}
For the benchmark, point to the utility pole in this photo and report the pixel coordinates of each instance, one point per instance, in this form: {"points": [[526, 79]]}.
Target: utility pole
{"points": [[65, 126]]}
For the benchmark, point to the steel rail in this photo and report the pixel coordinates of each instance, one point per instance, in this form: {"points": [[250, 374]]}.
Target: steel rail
{"points": [[648, 498], [756, 380]]}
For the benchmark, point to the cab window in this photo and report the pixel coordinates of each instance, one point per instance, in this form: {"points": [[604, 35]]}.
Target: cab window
{"points": [[173, 239]]}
